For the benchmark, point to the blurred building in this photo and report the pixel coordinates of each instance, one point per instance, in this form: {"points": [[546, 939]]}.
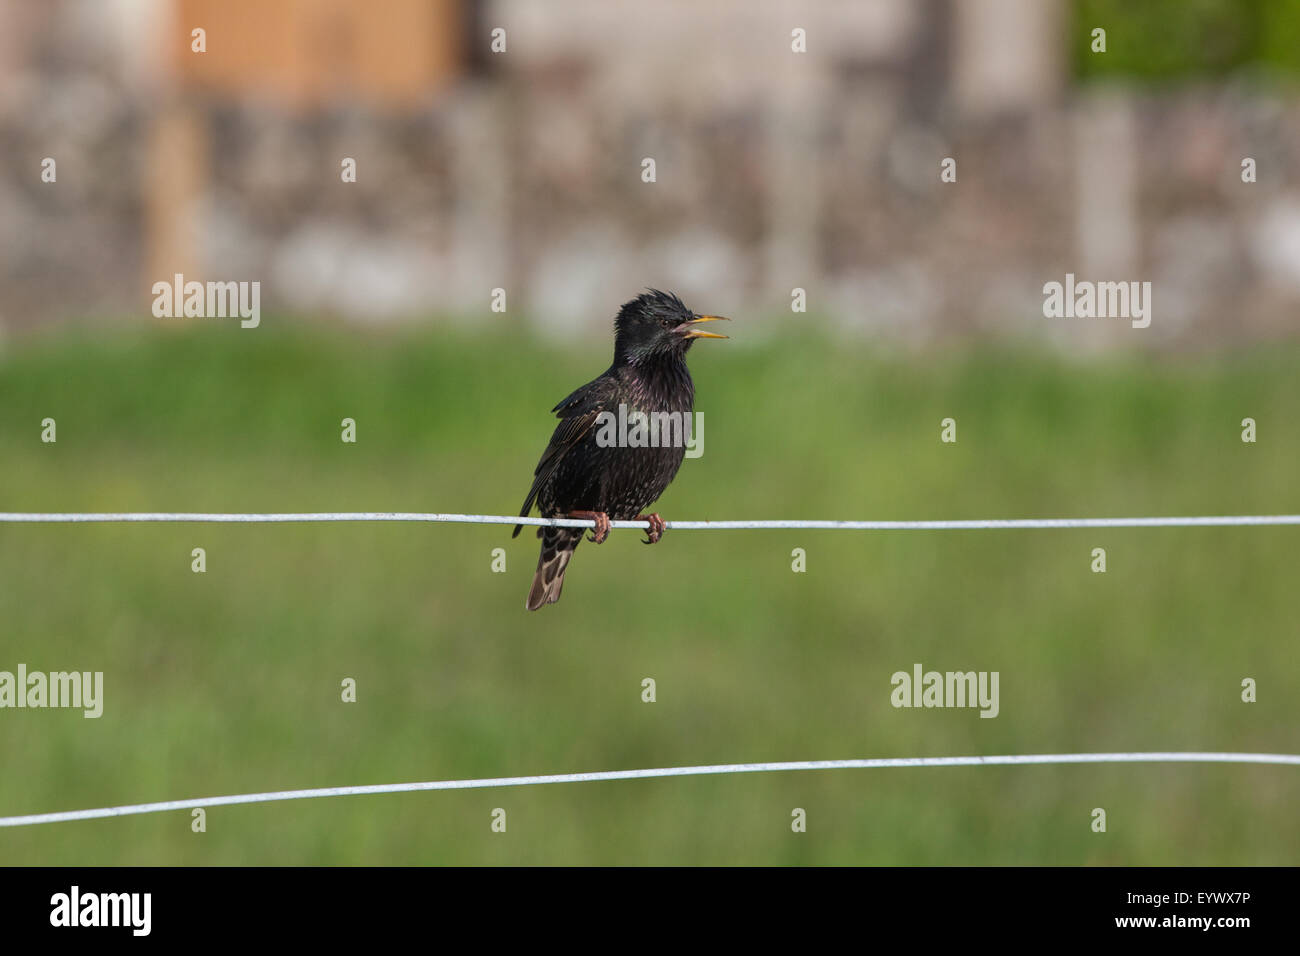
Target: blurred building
{"points": [[795, 145]]}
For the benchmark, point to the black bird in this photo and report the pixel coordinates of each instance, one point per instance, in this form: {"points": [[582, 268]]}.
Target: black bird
{"points": [[583, 475]]}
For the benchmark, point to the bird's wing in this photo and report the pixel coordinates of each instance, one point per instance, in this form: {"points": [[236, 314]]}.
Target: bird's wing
{"points": [[577, 414]]}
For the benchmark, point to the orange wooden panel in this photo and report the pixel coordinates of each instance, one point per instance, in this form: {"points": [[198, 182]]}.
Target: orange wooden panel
{"points": [[308, 52]]}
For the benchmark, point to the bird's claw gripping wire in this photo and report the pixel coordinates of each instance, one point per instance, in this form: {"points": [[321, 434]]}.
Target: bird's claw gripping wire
{"points": [[601, 531], [657, 528]]}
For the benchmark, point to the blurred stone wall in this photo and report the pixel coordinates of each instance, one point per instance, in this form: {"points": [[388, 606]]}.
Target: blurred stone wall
{"points": [[775, 170]]}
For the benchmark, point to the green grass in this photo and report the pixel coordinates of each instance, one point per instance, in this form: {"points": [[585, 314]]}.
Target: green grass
{"points": [[229, 681]]}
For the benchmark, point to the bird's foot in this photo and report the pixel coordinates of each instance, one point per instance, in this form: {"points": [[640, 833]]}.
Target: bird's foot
{"points": [[602, 524], [657, 528]]}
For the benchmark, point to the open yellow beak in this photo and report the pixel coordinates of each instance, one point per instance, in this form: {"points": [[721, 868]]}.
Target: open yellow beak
{"points": [[688, 330]]}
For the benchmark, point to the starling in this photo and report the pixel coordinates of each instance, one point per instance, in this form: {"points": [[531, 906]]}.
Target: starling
{"points": [[582, 473]]}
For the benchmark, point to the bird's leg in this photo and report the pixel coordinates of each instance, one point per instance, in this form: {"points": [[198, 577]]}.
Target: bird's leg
{"points": [[602, 523], [657, 527]]}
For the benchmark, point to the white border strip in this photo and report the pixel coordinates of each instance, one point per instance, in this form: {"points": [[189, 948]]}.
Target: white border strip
{"points": [[489, 782]]}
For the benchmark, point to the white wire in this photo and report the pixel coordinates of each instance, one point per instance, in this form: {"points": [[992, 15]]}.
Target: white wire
{"points": [[593, 777], [19, 517], [976, 524]]}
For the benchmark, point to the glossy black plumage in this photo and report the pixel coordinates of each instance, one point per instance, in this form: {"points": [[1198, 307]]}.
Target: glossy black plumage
{"points": [[576, 474]]}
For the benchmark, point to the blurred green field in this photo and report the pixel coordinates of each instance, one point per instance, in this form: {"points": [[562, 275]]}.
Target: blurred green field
{"points": [[229, 681]]}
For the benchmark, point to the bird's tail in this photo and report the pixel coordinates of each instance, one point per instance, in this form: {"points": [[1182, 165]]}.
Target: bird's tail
{"points": [[558, 545]]}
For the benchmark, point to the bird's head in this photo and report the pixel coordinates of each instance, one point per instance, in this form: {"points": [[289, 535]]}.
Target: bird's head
{"points": [[657, 325]]}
